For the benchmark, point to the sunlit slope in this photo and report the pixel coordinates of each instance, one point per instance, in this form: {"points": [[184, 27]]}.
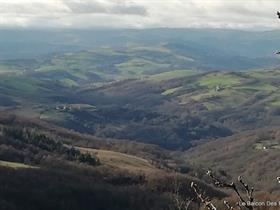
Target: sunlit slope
{"points": [[101, 65], [122, 161], [218, 90], [15, 165]]}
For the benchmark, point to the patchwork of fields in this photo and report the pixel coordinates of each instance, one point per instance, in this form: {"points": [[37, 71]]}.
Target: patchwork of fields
{"points": [[123, 92]]}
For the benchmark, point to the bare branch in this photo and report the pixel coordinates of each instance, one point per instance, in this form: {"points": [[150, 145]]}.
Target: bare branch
{"points": [[180, 202], [229, 207], [248, 190], [205, 201], [188, 204], [232, 186]]}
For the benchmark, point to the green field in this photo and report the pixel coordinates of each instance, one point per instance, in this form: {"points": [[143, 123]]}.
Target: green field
{"points": [[139, 67], [21, 83], [222, 79], [275, 102], [171, 91], [258, 87], [68, 82], [173, 74], [267, 145]]}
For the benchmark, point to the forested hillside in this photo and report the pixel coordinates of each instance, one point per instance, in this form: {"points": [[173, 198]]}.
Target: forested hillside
{"points": [[131, 123]]}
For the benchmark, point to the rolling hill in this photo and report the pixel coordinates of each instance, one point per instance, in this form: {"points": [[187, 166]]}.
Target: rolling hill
{"points": [[124, 121], [40, 160], [251, 154], [144, 94]]}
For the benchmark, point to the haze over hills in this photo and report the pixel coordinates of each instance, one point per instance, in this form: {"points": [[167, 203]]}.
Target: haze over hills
{"points": [[211, 48], [139, 105], [119, 107]]}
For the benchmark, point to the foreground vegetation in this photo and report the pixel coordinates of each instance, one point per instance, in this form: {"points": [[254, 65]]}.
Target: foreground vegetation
{"points": [[81, 178]]}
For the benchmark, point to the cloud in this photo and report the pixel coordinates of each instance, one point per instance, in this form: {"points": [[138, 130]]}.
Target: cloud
{"points": [[105, 7], [249, 14]]}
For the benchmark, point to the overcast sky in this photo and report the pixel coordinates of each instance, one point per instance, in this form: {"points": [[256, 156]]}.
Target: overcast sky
{"points": [[241, 14]]}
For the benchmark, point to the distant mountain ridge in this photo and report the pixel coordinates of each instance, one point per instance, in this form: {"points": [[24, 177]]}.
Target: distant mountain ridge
{"points": [[233, 49]]}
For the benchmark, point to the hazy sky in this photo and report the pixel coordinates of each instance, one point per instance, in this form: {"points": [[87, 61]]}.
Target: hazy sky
{"points": [[246, 14]]}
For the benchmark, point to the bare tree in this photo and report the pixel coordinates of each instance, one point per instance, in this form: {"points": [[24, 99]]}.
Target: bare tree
{"points": [[206, 201], [181, 202], [244, 201], [249, 191]]}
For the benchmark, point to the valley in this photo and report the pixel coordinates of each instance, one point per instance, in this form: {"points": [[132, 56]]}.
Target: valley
{"points": [[116, 127]]}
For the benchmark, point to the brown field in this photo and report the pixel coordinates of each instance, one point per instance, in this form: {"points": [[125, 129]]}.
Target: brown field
{"points": [[122, 161], [15, 165]]}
